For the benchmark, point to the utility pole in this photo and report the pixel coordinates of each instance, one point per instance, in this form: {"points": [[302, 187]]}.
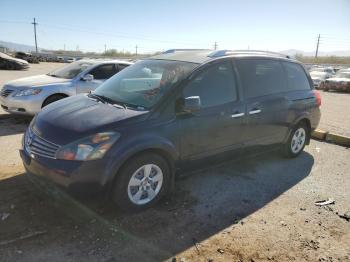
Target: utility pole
{"points": [[36, 44], [215, 45], [136, 49], [318, 43], [105, 48]]}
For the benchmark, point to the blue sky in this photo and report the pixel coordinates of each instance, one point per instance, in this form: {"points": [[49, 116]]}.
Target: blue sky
{"points": [[273, 25]]}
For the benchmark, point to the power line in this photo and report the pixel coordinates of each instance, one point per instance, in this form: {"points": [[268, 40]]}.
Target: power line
{"points": [[13, 22], [117, 35]]}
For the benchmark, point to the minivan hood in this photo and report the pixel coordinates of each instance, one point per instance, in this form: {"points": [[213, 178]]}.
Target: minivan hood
{"points": [[75, 117], [35, 81]]}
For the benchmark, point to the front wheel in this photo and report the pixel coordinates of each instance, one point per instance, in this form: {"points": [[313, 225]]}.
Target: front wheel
{"points": [[141, 182], [296, 141], [52, 99]]}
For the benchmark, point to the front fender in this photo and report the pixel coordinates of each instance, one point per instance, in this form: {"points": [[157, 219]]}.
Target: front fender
{"points": [[122, 152]]}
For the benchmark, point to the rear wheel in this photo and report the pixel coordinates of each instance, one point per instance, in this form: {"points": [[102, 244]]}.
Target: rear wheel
{"points": [[296, 141], [52, 99], [141, 182]]}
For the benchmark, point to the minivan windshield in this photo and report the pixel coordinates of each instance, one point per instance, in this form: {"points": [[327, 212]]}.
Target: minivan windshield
{"points": [[144, 83], [70, 71]]}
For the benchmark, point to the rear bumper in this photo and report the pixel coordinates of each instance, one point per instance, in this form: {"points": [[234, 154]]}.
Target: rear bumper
{"points": [[315, 118], [73, 176]]}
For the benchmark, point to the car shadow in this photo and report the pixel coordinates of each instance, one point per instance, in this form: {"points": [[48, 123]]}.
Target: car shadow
{"points": [[203, 204], [206, 202], [13, 125]]}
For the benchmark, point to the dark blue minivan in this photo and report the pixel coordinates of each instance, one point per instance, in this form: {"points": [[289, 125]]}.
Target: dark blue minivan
{"points": [[137, 129]]}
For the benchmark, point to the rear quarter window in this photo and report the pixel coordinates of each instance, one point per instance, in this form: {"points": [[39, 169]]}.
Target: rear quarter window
{"points": [[260, 76], [296, 77]]}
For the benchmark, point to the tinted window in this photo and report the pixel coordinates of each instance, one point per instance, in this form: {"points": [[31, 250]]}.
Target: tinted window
{"points": [[260, 77], [70, 71], [297, 79], [103, 71], [215, 86], [122, 66]]}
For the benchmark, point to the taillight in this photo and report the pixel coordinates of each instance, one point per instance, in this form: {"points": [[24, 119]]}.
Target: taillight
{"points": [[318, 97]]}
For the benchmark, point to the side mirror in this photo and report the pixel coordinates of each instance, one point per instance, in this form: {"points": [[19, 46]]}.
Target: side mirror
{"points": [[191, 104], [87, 77]]}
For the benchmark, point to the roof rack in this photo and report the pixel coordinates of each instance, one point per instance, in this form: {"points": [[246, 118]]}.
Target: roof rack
{"points": [[182, 50], [219, 53]]}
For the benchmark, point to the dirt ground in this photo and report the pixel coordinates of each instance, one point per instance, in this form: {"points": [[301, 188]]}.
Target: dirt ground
{"points": [[257, 208], [335, 112]]}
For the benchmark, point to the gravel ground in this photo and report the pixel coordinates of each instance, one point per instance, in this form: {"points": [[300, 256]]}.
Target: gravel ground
{"points": [[260, 208], [335, 106]]}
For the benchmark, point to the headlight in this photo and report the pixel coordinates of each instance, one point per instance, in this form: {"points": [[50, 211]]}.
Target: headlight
{"points": [[88, 148], [29, 92]]}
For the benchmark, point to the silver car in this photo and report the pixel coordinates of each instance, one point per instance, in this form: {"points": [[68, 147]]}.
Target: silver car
{"points": [[28, 95]]}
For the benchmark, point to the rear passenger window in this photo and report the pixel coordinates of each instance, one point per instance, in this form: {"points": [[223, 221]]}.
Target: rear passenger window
{"points": [[215, 86], [261, 77], [103, 71], [296, 77], [122, 66]]}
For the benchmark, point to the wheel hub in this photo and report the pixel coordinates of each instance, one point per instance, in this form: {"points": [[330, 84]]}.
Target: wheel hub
{"points": [[298, 140], [145, 184]]}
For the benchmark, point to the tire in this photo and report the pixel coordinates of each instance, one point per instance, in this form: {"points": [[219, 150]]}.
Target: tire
{"points": [[136, 197], [296, 141], [52, 99]]}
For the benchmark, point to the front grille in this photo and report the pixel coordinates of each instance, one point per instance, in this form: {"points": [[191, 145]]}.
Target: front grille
{"points": [[36, 145], [6, 92]]}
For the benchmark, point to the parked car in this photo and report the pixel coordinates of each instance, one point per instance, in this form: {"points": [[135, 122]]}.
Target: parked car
{"points": [[136, 130], [11, 63], [340, 82], [319, 78], [30, 94], [28, 57], [329, 71], [70, 59]]}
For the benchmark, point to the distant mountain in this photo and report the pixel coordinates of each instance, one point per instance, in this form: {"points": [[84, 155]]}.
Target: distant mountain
{"points": [[18, 47], [293, 52]]}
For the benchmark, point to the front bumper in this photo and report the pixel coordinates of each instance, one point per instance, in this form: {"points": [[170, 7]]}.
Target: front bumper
{"points": [[74, 176], [23, 105]]}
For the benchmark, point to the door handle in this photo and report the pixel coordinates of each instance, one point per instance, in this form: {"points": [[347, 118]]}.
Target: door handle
{"points": [[254, 111], [237, 115]]}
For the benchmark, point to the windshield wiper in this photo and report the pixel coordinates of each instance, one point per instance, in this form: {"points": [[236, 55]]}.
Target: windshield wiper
{"points": [[107, 100]]}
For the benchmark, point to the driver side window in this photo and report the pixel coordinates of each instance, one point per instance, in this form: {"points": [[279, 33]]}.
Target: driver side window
{"points": [[215, 86], [103, 71]]}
